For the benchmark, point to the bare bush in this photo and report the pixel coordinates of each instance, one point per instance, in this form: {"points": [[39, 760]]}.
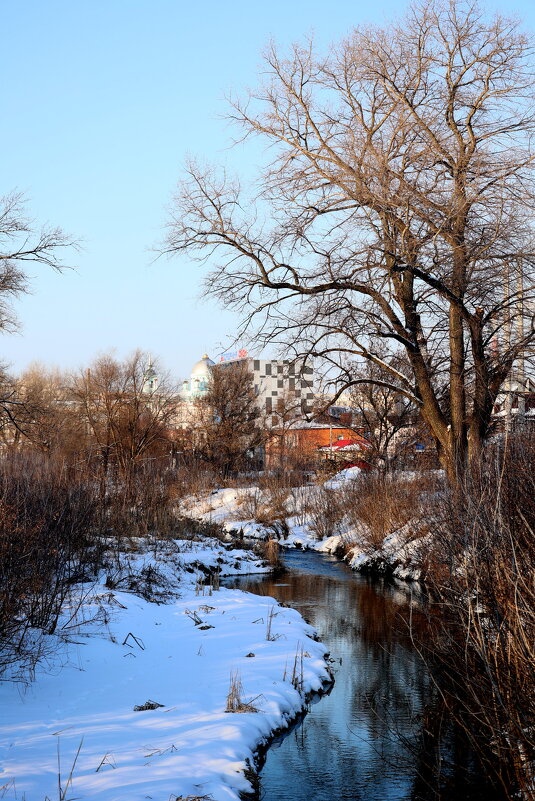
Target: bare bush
{"points": [[380, 504], [273, 506], [194, 477], [49, 517], [327, 511], [300, 503], [250, 501], [483, 642], [143, 505]]}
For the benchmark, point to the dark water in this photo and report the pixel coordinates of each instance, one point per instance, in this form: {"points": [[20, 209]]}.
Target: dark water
{"points": [[377, 736]]}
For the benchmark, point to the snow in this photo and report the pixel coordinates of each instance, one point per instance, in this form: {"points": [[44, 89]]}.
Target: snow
{"points": [[341, 478], [401, 553], [84, 697]]}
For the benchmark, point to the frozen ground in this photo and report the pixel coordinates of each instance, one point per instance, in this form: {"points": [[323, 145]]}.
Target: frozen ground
{"points": [[73, 733]]}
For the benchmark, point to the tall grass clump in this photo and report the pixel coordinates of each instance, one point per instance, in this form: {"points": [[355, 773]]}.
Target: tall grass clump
{"points": [[482, 646]]}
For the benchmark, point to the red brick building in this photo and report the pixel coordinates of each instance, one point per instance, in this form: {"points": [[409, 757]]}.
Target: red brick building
{"points": [[310, 443]]}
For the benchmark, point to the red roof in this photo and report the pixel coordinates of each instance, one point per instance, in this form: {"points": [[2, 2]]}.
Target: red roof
{"points": [[350, 444]]}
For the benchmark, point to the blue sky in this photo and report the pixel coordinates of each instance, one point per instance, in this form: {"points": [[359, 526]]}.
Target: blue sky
{"points": [[102, 101]]}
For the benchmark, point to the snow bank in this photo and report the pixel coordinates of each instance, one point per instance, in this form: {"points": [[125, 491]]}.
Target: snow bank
{"points": [[180, 655], [401, 554], [341, 478]]}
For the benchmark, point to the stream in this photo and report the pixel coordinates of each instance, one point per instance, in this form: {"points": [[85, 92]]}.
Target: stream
{"points": [[372, 737]]}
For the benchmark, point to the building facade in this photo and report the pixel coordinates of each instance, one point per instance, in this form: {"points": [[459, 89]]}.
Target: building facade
{"points": [[283, 382], [280, 386]]}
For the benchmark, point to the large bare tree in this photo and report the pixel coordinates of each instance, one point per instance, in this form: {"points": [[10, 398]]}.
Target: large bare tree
{"points": [[396, 210], [228, 418]]}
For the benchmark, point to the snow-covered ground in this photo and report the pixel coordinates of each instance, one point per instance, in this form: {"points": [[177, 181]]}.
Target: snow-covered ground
{"points": [[343, 477], [73, 733], [400, 553]]}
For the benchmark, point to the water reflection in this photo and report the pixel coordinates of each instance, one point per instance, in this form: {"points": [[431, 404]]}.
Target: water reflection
{"points": [[375, 736]]}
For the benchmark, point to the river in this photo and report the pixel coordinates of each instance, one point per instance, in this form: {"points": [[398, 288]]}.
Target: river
{"points": [[372, 738]]}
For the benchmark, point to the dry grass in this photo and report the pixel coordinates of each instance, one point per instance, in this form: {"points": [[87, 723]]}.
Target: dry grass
{"points": [[381, 504], [192, 798], [235, 699], [270, 551], [270, 636], [483, 641], [298, 670]]}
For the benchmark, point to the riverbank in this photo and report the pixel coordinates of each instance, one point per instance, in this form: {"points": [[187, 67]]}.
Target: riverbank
{"points": [[372, 736], [130, 702], [328, 518]]}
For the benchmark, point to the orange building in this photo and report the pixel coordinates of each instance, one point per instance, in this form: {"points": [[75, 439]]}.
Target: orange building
{"points": [[312, 442]]}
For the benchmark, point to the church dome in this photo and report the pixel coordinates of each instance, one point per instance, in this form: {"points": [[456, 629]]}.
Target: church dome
{"points": [[202, 368]]}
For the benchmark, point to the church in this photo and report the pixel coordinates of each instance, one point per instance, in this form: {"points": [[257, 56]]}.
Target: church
{"points": [[197, 385]]}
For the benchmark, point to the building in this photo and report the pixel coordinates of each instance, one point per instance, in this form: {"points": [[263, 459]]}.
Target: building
{"points": [[277, 382], [151, 379], [311, 443], [514, 409], [282, 382], [199, 380]]}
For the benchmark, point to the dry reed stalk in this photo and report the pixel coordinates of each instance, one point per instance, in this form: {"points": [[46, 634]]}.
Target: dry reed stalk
{"points": [[235, 700], [269, 634]]}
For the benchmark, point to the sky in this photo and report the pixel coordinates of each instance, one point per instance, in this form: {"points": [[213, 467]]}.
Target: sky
{"points": [[103, 100]]}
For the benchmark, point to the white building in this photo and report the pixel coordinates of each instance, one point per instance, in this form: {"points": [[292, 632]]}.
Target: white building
{"points": [[197, 385], [276, 381]]}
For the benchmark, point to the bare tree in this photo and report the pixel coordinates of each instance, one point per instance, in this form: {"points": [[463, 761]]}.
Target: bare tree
{"points": [[388, 417], [228, 418], [281, 450], [399, 197], [13, 413], [42, 415], [20, 243], [124, 422]]}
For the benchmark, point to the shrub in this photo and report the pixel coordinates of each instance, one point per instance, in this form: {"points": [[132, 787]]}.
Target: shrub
{"points": [[327, 511], [380, 504], [48, 520]]}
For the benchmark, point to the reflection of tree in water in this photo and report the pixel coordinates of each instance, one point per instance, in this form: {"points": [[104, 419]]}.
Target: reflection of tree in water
{"points": [[445, 764], [378, 735]]}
